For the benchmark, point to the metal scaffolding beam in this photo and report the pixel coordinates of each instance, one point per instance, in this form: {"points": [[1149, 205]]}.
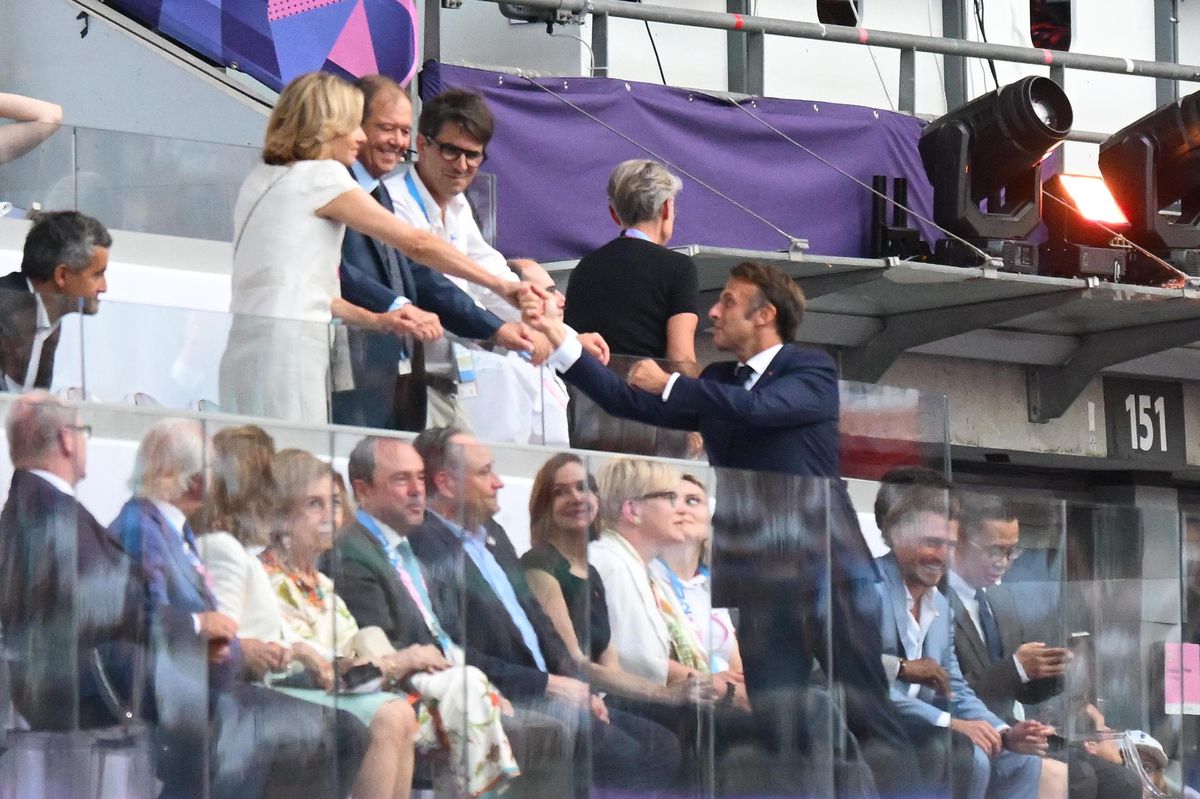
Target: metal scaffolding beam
{"points": [[867, 36]]}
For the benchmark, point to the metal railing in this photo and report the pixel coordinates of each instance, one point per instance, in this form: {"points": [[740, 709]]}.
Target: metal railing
{"points": [[747, 32]]}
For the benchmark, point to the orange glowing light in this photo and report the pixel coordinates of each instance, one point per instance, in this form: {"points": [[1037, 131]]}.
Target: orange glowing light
{"points": [[1093, 199]]}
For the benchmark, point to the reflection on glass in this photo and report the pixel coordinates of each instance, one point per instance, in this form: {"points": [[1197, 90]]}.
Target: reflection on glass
{"points": [[1109, 664]]}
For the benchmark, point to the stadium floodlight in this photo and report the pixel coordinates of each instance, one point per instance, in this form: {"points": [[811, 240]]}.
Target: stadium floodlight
{"points": [[1153, 169], [1084, 230], [984, 161]]}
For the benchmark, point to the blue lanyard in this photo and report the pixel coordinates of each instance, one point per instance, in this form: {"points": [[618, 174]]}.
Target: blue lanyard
{"points": [[367, 521], [416, 195], [431, 620], [677, 588]]}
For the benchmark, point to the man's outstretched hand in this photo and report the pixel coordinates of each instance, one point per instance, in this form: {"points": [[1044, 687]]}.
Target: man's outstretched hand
{"points": [[648, 376]]}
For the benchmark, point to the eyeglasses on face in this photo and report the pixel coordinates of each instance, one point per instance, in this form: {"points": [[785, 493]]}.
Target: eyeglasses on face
{"points": [[998, 554], [671, 497], [450, 153]]}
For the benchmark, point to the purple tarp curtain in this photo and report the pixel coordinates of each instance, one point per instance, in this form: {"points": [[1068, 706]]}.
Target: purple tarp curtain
{"points": [[552, 162]]}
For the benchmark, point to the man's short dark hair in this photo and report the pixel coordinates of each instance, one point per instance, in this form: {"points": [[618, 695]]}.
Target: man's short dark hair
{"points": [[908, 490], [61, 237], [459, 107], [361, 464], [778, 289], [978, 509], [435, 449], [373, 86]]}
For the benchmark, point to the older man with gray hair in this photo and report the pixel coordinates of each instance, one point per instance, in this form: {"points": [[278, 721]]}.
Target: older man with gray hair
{"points": [[71, 610], [203, 704], [62, 271], [640, 296]]}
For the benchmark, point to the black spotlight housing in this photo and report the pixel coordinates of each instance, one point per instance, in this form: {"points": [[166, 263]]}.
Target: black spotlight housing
{"points": [[1151, 165], [984, 161]]}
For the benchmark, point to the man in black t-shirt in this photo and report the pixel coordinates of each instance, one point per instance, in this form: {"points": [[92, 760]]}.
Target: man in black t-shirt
{"points": [[635, 292]]}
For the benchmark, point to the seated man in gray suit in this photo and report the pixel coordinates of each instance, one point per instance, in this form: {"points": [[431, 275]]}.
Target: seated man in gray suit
{"points": [[917, 623]]}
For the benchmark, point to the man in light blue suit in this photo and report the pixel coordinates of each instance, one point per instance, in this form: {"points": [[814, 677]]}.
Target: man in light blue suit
{"points": [[917, 623]]}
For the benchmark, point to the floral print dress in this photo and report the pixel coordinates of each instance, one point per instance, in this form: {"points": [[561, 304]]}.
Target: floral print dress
{"points": [[458, 709]]}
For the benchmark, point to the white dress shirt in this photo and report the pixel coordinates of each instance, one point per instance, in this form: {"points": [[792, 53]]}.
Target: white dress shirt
{"points": [[913, 636], [455, 225], [757, 363], [54, 480], [43, 330], [966, 595]]}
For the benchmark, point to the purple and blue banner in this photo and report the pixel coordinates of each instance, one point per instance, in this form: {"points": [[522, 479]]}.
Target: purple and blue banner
{"points": [[273, 41]]}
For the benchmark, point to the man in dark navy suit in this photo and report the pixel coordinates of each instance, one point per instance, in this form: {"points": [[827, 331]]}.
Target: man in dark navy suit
{"points": [[71, 608], [774, 409], [388, 371]]}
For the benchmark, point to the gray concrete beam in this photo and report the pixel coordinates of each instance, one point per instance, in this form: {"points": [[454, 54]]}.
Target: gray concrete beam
{"points": [[1052, 389], [906, 330]]}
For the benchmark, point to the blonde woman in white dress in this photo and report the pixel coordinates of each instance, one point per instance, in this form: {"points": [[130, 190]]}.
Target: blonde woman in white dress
{"points": [[289, 219]]}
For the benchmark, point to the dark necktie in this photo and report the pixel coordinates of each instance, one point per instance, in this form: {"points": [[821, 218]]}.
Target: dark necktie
{"points": [[742, 373], [409, 398], [991, 632]]}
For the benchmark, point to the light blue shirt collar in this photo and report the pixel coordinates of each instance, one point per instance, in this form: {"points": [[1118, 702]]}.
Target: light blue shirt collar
{"points": [[493, 573], [363, 177]]}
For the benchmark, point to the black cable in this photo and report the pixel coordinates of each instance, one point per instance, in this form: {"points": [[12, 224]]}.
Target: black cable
{"points": [[983, 35], [658, 60]]}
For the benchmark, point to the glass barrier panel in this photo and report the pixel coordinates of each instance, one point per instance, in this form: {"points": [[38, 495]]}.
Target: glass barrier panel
{"points": [[151, 184], [1187, 772], [47, 705], [1127, 681], [594, 428], [521, 551], [886, 427], [37, 168], [129, 181], [880, 427], [481, 195]]}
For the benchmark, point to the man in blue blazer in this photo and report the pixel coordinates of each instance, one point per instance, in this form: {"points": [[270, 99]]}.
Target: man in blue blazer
{"points": [[773, 409], [918, 623], [379, 278], [205, 709]]}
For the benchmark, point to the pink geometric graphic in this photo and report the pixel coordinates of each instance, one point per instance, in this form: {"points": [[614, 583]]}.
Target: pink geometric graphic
{"points": [[354, 51], [281, 9]]}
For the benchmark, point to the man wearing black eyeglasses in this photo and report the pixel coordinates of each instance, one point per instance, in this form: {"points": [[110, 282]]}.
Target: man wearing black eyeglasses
{"points": [[451, 144], [1000, 662], [389, 371]]}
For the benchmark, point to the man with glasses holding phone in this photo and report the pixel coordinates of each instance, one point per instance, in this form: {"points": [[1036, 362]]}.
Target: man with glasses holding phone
{"points": [[1001, 665]]}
